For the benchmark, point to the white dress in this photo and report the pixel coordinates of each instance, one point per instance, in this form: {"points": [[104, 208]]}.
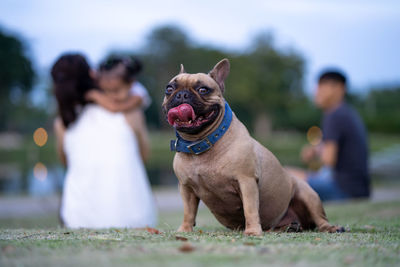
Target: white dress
{"points": [[106, 184]]}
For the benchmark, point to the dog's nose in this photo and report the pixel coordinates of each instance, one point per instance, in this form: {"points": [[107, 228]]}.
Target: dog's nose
{"points": [[182, 95]]}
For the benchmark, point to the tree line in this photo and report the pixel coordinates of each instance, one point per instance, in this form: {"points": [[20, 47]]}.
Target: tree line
{"points": [[265, 87]]}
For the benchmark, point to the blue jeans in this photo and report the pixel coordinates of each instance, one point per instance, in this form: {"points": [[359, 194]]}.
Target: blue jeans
{"points": [[325, 185]]}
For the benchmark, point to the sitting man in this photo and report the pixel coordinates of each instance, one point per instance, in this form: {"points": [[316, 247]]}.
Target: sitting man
{"points": [[343, 151]]}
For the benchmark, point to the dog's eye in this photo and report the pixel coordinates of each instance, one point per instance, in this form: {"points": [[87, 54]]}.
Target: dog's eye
{"points": [[169, 90], [203, 90]]}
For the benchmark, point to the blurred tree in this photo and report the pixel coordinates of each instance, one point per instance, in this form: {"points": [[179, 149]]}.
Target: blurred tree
{"points": [[16, 77], [266, 82], [265, 86], [380, 109]]}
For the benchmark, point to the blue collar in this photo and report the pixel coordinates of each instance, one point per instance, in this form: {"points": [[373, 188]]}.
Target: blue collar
{"points": [[198, 147]]}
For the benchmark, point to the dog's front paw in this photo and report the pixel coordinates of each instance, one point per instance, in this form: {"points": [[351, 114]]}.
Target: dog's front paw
{"points": [[253, 231], [337, 229], [185, 228], [332, 229]]}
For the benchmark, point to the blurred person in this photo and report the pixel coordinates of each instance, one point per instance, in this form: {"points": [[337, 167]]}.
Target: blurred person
{"points": [[121, 92], [344, 151], [106, 183], [117, 76]]}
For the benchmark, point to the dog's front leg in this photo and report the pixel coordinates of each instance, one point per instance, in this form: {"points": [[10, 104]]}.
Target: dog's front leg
{"points": [[250, 198], [190, 205]]}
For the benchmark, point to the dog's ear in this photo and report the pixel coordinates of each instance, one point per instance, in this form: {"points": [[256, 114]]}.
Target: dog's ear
{"points": [[220, 72], [182, 69]]}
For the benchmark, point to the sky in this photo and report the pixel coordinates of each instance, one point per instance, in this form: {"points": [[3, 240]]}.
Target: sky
{"points": [[360, 37]]}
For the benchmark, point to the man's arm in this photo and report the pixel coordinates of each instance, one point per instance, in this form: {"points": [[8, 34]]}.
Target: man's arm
{"points": [[329, 153], [137, 122], [332, 132], [59, 131], [101, 99], [133, 102]]}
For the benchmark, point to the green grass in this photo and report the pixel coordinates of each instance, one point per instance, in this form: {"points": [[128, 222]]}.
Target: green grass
{"points": [[373, 240]]}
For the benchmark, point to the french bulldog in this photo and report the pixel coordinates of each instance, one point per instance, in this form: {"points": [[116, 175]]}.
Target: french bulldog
{"points": [[219, 163]]}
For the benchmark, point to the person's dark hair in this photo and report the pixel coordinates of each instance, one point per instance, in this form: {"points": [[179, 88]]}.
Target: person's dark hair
{"points": [[71, 80], [131, 67], [332, 75]]}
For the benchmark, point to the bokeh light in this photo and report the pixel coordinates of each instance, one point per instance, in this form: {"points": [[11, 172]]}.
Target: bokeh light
{"points": [[314, 135], [40, 137], [40, 171]]}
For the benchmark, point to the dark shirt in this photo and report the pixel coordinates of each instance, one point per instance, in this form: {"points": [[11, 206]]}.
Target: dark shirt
{"points": [[344, 126]]}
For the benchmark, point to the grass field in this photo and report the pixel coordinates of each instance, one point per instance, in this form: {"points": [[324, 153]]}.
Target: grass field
{"points": [[285, 145], [373, 239]]}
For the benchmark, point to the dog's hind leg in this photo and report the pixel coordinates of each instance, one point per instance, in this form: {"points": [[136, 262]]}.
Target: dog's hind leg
{"points": [[289, 223], [308, 207]]}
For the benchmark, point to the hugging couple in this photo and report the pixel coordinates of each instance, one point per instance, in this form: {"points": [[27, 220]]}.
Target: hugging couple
{"points": [[102, 140]]}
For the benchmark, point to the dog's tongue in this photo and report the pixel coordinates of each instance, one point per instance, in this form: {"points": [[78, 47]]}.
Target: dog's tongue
{"points": [[183, 112]]}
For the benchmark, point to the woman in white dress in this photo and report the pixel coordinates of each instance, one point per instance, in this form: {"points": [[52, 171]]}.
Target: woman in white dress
{"points": [[106, 183]]}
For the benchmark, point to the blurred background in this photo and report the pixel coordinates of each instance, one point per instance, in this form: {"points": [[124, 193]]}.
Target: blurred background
{"points": [[276, 48]]}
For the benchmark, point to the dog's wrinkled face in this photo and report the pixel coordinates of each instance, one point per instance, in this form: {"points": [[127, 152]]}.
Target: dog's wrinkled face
{"points": [[193, 102]]}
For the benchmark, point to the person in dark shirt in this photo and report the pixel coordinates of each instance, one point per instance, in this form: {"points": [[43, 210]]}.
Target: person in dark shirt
{"points": [[344, 148]]}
